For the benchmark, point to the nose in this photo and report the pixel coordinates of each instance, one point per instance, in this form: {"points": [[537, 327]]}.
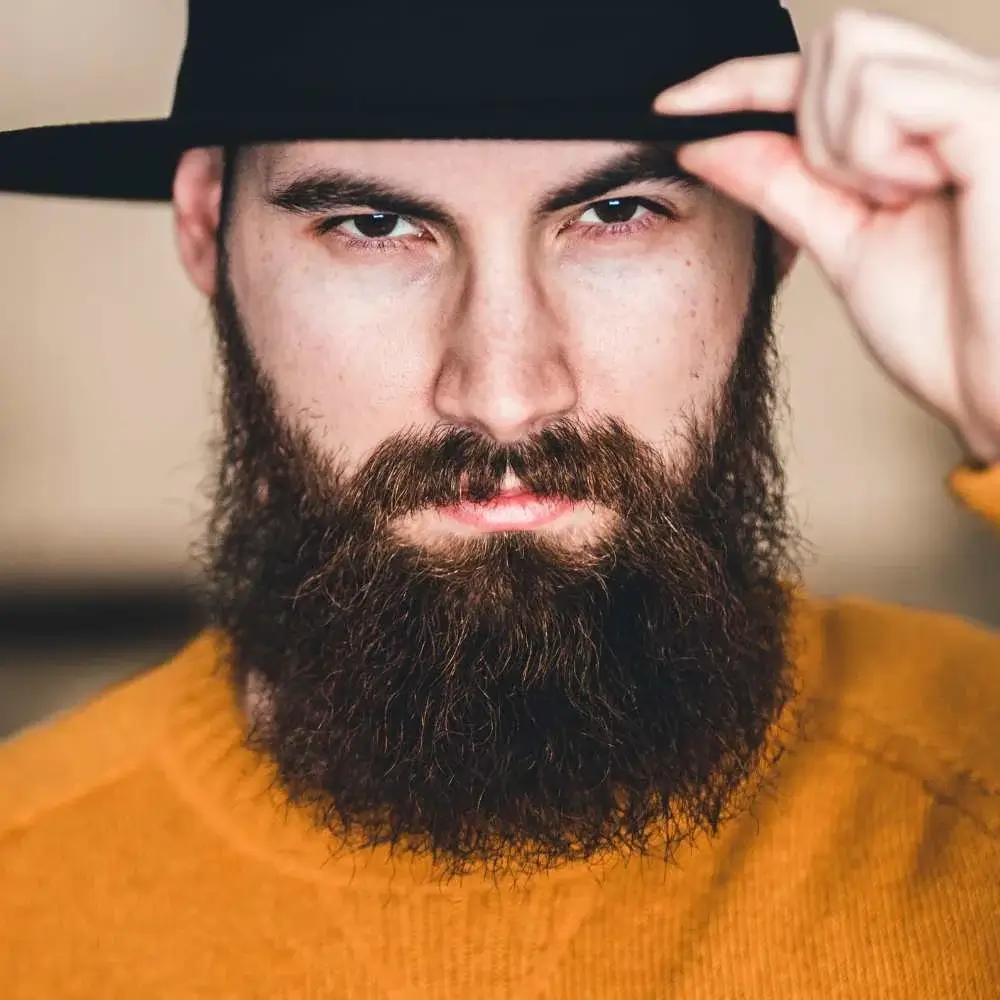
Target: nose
{"points": [[504, 371]]}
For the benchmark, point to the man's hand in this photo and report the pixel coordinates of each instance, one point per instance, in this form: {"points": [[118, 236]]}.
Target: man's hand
{"points": [[893, 186]]}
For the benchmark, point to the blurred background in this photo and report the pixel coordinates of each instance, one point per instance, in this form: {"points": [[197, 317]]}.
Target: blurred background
{"points": [[107, 394]]}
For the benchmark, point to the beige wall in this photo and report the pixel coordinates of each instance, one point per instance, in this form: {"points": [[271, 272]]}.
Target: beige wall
{"points": [[105, 367]]}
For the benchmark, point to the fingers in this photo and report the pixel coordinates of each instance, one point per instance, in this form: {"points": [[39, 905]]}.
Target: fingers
{"points": [[761, 83], [814, 127], [826, 107], [775, 83], [836, 107], [767, 172], [875, 100], [858, 35], [922, 125], [871, 148]]}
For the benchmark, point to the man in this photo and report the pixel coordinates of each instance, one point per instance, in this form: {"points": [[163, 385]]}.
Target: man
{"points": [[512, 691]]}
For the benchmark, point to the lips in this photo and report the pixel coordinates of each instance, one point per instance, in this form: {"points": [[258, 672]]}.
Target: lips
{"points": [[510, 509], [517, 495]]}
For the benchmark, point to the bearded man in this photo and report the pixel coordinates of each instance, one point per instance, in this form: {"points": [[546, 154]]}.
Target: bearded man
{"points": [[511, 686]]}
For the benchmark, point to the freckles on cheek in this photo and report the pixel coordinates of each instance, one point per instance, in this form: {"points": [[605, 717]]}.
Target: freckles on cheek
{"points": [[712, 323], [658, 320]]}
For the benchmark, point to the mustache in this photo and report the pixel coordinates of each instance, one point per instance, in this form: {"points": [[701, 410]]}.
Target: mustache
{"points": [[599, 462]]}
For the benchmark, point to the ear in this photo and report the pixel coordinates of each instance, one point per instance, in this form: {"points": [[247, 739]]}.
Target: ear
{"points": [[197, 200], [786, 254]]}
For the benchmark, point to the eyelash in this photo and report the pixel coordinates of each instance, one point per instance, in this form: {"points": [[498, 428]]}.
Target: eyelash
{"points": [[387, 244]]}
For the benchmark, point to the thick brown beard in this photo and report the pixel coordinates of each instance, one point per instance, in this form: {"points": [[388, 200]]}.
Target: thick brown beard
{"points": [[508, 703]]}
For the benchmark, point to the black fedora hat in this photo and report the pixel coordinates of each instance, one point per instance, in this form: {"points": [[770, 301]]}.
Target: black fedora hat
{"points": [[255, 71]]}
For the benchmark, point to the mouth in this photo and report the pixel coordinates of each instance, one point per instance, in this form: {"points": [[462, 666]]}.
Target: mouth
{"points": [[511, 509]]}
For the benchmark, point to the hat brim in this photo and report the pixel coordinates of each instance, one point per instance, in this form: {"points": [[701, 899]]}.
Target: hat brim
{"points": [[136, 160]]}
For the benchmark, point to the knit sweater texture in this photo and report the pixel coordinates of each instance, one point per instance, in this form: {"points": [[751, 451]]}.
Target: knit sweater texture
{"points": [[145, 853]]}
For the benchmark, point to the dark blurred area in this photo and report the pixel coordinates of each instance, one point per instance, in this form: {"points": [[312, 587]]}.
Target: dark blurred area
{"points": [[59, 647]]}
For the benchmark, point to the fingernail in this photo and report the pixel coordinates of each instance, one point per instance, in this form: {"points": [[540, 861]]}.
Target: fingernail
{"points": [[703, 149], [675, 99]]}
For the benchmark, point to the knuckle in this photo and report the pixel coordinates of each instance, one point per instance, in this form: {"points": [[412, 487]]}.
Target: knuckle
{"points": [[870, 77], [848, 24]]}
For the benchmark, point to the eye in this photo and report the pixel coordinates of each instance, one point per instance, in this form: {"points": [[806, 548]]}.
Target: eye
{"points": [[616, 211], [377, 226]]}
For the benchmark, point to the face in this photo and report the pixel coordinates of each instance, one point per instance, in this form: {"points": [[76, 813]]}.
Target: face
{"points": [[499, 486], [491, 315]]}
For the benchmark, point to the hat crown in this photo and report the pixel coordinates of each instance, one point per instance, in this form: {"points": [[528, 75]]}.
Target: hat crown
{"points": [[255, 71], [244, 58]]}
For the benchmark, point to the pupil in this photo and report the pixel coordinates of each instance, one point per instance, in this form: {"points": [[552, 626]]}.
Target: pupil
{"points": [[375, 226], [616, 209]]}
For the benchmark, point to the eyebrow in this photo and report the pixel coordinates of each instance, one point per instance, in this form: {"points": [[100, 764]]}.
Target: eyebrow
{"points": [[318, 192]]}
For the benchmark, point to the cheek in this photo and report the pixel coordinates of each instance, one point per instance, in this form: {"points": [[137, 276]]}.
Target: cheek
{"points": [[659, 335], [341, 349], [648, 336]]}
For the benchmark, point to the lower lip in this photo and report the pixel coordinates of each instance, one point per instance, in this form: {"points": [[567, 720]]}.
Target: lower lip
{"points": [[509, 513]]}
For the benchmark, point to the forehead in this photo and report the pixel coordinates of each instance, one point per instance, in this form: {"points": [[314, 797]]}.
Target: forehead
{"points": [[276, 158]]}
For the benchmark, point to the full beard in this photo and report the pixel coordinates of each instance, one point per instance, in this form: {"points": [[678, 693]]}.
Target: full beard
{"points": [[506, 701]]}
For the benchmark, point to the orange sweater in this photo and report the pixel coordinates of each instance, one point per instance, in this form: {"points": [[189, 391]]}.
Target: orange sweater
{"points": [[142, 855]]}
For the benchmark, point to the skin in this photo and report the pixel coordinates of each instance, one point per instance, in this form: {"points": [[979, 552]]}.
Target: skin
{"points": [[893, 187], [500, 327]]}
